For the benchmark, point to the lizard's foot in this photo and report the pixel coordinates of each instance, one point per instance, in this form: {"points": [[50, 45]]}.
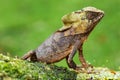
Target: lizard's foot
{"points": [[87, 66], [84, 69]]}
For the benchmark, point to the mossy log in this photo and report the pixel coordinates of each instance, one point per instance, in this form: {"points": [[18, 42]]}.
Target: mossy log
{"points": [[17, 69]]}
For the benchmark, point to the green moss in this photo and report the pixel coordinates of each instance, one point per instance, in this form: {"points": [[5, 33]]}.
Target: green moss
{"points": [[99, 73], [16, 69], [24, 70]]}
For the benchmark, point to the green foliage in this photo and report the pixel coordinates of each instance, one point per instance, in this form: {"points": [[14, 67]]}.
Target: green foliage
{"points": [[25, 24]]}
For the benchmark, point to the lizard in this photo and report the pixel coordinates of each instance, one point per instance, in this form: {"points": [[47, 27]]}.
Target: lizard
{"points": [[68, 39]]}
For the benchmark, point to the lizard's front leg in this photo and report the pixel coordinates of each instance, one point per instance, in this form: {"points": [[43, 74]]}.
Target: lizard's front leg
{"points": [[69, 58], [82, 59]]}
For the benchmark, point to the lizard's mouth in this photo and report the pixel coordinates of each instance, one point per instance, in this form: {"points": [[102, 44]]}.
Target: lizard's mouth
{"points": [[98, 18]]}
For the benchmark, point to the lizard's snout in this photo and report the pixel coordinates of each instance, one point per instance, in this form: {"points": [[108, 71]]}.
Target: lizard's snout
{"points": [[94, 15]]}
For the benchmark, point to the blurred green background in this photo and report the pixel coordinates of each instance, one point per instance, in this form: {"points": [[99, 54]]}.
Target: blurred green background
{"points": [[25, 24]]}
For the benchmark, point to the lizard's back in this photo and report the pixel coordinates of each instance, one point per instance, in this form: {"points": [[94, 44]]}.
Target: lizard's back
{"points": [[55, 48]]}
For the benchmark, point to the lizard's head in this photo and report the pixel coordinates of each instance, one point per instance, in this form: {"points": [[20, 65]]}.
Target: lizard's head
{"points": [[82, 21]]}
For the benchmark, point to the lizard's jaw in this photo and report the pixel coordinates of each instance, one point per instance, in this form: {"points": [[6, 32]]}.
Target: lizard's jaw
{"points": [[98, 18]]}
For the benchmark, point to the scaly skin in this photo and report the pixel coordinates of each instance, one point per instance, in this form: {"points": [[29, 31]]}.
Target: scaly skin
{"points": [[67, 40]]}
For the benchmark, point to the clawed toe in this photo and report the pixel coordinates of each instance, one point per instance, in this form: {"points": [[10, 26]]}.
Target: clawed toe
{"points": [[84, 69]]}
